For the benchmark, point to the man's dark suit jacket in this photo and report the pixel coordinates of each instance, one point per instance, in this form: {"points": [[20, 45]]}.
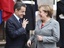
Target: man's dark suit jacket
{"points": [[60, 10], [15, 34]]}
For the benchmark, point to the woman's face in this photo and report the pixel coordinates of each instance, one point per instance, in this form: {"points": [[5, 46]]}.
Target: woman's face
{"points": [[42, 14]]}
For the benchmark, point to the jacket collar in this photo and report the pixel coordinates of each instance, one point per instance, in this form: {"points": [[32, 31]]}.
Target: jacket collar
{"points": [[47, 23]]}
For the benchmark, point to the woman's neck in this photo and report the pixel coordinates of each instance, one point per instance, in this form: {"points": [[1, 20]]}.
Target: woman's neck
{"points": [[46, 20]]}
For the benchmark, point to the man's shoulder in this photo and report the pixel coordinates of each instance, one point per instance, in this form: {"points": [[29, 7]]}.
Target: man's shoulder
{"points": [[60, 3], [11, 18]]}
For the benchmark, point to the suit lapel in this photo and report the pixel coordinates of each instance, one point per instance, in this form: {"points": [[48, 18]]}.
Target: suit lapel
{"points": [[16, 21]]}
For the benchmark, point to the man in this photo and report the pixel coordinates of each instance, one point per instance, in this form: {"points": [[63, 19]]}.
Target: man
{"points": [[30, 15], [60, 19], [15, 28]]}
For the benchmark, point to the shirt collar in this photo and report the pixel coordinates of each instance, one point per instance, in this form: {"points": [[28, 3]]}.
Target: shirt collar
{"points": [[16, 16]]}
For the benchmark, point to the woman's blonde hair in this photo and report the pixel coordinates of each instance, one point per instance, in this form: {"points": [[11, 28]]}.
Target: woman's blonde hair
{"points": [[47, 9]]}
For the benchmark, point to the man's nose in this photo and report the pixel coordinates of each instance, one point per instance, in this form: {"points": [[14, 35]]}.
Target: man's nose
{"points": [[24, 13]]}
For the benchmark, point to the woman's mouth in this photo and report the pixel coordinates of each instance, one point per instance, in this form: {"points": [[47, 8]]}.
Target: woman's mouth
{"points": [[40, 16]]}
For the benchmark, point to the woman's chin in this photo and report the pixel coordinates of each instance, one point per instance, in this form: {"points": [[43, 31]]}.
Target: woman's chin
{"points": [[41, 18]]}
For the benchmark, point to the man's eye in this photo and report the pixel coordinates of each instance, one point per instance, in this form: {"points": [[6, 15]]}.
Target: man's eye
{"points": [[23, 11]]}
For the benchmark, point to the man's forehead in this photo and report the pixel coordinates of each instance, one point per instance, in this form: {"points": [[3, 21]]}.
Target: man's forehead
{"points": [[23, 8]]}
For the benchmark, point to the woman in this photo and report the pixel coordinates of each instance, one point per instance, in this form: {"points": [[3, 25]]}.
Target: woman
{"points": [[47, 30]]}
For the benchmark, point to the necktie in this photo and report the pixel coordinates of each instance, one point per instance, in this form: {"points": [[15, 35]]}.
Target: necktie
{"points": [[20, 20]]}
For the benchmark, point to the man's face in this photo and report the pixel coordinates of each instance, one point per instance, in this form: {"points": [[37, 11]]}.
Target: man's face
{"points": [[20, 13]]}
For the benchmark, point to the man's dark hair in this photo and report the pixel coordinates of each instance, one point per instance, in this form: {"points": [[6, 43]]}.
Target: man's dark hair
{"points": [[18, 5], [18, 1]]}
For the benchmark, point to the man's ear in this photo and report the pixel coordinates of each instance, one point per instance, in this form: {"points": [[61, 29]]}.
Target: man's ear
{"points": [[16, 10]]}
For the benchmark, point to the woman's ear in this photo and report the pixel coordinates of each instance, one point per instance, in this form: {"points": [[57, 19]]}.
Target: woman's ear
{"points": [[46, 13]]}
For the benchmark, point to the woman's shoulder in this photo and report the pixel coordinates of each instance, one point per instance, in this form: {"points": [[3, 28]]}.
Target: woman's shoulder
{"points": [[54, 21]]}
